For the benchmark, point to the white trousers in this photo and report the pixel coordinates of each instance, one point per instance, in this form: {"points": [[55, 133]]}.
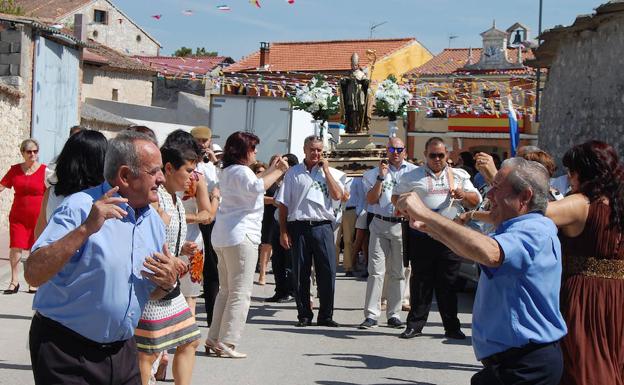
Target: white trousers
{"points": [[236, 266], [385, 257]]}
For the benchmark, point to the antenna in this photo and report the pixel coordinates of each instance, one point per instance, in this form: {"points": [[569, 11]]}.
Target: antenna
{"points": [[451, 38], [373, 26]]}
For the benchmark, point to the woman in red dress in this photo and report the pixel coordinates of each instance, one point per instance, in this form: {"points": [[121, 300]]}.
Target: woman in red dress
{"points": [[591, 225], [27, 179]]}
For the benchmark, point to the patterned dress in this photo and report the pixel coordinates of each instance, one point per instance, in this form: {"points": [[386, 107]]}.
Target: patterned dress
{"points": [[168, 322]]}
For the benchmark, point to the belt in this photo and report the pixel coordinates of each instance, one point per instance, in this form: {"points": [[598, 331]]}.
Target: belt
{"points": [[70, 334], [314, 223], [350, 208], [513, 353], [390, 219]]}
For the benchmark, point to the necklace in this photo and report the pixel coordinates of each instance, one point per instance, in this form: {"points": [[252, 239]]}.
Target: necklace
{"points": [[30, 170]]}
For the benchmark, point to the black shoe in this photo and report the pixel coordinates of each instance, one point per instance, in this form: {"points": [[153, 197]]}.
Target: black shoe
{"points": [[348, 274], [285, 299], [410, 333], [455, 335], [275, 298], [330, 323], [303, 323], [13, 288], [368, 323], [395, 323]]}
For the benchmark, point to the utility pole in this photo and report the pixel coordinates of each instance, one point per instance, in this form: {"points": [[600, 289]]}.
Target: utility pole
{"points": [[451, 37], [539, 70], [373, 26]]}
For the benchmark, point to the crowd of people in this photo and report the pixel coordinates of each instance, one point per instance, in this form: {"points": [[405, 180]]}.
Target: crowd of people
{"points": [[125, 236]]}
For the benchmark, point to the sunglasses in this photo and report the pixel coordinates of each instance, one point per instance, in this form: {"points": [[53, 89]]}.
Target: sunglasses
{"points": [[436, 156], [31, 151], [398, 150]]}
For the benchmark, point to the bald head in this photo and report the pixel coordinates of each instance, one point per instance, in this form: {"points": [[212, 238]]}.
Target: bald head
{"points": [[396, 151]]}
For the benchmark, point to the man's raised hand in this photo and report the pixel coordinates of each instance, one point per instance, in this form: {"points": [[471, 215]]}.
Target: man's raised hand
{"points": [[105, 208]]}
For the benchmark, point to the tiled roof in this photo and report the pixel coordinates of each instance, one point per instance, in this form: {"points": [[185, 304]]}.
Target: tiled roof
{"points": [[452, 60], [50, 9], [114, 60], [91, 113], [318, 56], [169, 65]]}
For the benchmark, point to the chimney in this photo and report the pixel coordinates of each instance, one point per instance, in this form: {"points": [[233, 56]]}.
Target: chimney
{"points": [[469, 56], [80, 27], [265, 50], [520, 54]]}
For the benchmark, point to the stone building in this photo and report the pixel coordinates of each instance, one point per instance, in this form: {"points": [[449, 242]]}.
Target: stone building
{"points": [[584, 94], [461, 95], [106, 23], [111, 75]]}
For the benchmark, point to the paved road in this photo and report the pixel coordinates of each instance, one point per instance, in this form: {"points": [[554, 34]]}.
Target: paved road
{"points": [[282, 354]]}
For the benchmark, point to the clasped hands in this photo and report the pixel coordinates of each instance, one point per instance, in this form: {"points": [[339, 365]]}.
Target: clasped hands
{"points": [[411, 206]]}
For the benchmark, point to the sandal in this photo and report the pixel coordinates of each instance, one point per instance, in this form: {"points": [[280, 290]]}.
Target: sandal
{"points": [[161, 372], [14, 290]]}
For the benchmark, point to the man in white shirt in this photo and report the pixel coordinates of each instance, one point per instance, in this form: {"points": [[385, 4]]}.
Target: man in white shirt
{"points": [[385, 247], [308, 200], [447, 191]]}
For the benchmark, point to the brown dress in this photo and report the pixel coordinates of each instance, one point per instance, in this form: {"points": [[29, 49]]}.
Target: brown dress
{"points": [[592, 301]]}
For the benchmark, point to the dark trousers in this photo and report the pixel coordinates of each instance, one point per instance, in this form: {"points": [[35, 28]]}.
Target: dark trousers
{"points": [[210, 273], [434, 267], [61, 356], [313, 243], [281, 261], [542, 366]]}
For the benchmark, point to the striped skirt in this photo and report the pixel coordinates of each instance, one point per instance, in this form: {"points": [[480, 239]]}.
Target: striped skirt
{"points": [[165, 324]]}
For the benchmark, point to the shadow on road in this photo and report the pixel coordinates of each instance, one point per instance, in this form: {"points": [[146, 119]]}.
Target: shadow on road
{"points": [[344, 333], [400, 381], [14, 316], [4, 365], [369, 361]]}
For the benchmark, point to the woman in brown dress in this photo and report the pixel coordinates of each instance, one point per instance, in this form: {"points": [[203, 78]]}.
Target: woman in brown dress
{"points": [[591, 224]]}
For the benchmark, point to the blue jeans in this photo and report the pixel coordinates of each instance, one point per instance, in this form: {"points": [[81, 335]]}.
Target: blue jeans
{"points": [[313, 243]]}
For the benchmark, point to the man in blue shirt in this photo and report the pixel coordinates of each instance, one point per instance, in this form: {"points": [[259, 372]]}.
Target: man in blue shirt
{"points": [[517, 324], [97, 263]]}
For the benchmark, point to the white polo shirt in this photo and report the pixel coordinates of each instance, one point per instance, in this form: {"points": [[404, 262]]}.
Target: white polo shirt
{"points": [[306, 194], [434, 190], [385, 207], [211, 173]]}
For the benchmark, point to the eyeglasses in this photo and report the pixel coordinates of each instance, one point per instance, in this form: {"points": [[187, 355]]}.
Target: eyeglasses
{"points": [[398, 150], [31, 151], [436, 156]]}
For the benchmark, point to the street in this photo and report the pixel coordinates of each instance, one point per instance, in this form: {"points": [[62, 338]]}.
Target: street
{"points": [[279, 353]]}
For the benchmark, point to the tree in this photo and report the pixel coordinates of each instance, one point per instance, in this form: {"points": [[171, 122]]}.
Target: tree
{"points": [[9, 7], [188, 52]]}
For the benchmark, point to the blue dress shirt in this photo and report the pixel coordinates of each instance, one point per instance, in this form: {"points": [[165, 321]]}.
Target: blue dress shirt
{"points": [[100, 292], [518, 302]]}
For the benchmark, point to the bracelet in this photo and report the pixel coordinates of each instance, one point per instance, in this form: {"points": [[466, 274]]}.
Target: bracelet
{"points": [[170, 290], [380, 178]]}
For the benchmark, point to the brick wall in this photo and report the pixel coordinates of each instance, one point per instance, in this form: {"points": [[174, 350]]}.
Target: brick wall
{"points": [[131, 88]]}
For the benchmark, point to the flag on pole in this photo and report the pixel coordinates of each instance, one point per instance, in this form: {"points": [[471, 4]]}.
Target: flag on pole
{"points": [[223, 8], [255, 2], [157, 17], [514, 134]]}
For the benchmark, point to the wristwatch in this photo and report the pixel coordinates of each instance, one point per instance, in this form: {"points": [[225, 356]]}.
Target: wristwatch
{"points": [[380, 178]]}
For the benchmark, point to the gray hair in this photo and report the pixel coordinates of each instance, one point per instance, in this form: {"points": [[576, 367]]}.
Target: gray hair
{"points": [[311, 139], [122, 151], [529, 149], [529, 175], [26, 142]]}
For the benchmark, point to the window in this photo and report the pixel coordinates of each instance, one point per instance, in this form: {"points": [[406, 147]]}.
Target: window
{"points": [[138, 38], [100, 17], [115, 94]]}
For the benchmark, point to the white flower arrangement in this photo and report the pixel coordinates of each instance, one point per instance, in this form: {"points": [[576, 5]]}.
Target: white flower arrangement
{"points": [[391, 98], [317, 98]]}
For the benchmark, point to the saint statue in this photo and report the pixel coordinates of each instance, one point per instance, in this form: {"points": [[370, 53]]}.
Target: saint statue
{"points": [[354, 94]]}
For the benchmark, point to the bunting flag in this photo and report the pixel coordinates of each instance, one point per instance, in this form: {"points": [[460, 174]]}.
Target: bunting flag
{"points": [[223, 8], [514, 134], [291, 1], [188, 12], [157, 17], [255, 2]]}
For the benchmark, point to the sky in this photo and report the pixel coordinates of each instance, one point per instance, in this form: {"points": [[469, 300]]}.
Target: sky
{"points": [[238, 32]]}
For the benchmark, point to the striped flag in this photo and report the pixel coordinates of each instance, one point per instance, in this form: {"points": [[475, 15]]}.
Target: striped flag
{"points": [[223, 8], [255, 2], [188, 12], [514, 133]]}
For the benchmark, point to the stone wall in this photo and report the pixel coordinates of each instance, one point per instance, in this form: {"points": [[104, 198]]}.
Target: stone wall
{"points": [[584, 94], [118, 32], [131, 88], [166, 91]]}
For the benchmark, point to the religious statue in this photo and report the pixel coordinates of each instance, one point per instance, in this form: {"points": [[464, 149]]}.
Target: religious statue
{"points": [[355, 99]]}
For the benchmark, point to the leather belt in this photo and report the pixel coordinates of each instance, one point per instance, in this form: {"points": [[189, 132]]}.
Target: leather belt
{"points": [[390, 219], [350, 208], [72, 335], [314, 223], [513, 353]]}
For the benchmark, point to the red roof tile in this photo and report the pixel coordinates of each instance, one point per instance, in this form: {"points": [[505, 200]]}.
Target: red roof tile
{"points": [[50, 9], [318, 56], [452, 60], [170, 65]]}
